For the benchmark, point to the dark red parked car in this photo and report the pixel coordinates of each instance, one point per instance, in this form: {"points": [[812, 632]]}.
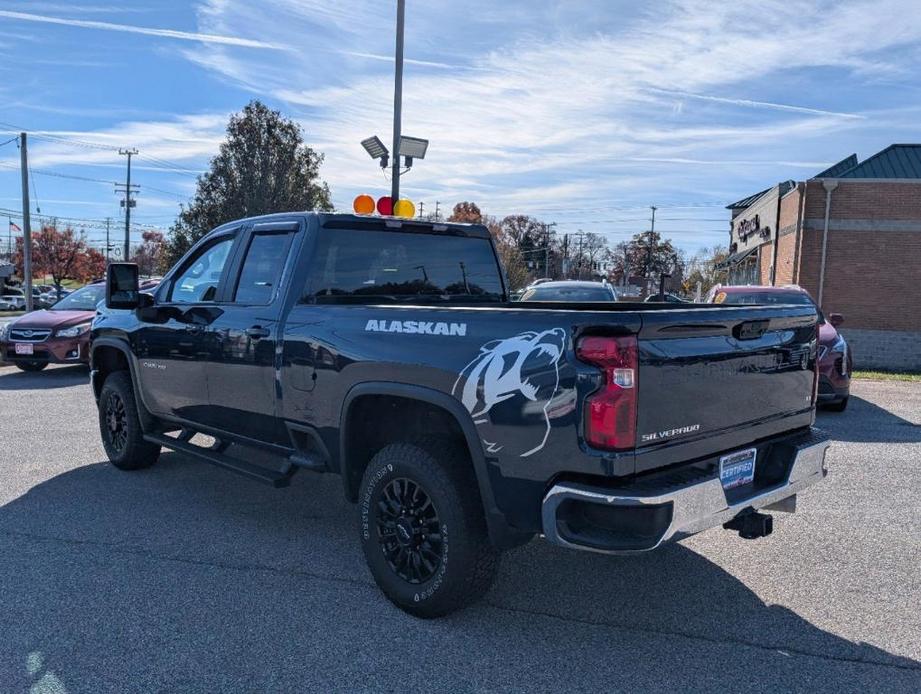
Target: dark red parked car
{"points": [[57, 335], [835, 358]]}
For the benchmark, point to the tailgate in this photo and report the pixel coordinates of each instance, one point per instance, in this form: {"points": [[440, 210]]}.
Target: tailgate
{"points": [[715, 378]]}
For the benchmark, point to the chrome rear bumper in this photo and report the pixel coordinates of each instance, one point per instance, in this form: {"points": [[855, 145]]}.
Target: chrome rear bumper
{"points": [[686, 510]]}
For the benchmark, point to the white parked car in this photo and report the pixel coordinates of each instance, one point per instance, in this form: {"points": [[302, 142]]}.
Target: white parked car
{"points": [[12, 299]]}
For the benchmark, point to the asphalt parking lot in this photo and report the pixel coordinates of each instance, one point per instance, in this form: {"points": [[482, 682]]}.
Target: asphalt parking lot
{"points": [[186, 578]]}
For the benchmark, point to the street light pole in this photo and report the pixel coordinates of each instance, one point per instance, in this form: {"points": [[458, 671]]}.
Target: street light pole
{"points": [[26, 221], [397, 104]]}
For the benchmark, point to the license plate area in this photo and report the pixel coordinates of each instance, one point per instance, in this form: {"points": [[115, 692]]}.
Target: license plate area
{"points": [[738, 468], [24, 348]]}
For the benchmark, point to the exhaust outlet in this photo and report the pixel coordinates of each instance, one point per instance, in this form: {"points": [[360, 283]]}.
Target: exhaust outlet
{"points": [[751, 526]]}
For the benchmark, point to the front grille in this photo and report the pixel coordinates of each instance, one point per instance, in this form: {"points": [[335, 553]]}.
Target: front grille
{"points": [[26, 335]]}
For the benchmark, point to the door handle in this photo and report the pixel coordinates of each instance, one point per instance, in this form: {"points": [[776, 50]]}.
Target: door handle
{"points": [[257, 332]]}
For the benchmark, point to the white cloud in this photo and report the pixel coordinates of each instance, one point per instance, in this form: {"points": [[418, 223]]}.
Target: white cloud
{"points": [[593, 101], [754, 104], [147, 31]]}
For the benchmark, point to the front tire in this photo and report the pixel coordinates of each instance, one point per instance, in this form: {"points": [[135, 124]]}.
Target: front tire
{"points": [[122, 436], [31, 366], [839, 406], [423, 530]]}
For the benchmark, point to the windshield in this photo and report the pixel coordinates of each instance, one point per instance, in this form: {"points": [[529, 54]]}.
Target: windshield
{"points": [[84, 299], [765, 298], [564, 293], [762, 298]]}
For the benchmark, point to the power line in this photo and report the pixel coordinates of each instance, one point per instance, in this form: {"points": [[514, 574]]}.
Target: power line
{"points": [[38, 207], [58, 174], [178, 168]]}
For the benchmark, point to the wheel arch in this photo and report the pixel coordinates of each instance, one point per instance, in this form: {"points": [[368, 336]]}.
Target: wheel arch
{"points": [[353, 463], [108, 355]]}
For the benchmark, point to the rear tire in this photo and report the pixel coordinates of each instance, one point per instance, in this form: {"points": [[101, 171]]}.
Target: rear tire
{"points": [[423, 530], [839, 406], [122, 436], [31, 366]]}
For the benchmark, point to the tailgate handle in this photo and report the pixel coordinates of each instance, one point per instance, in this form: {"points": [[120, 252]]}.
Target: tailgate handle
{"points": [[750, 330]]}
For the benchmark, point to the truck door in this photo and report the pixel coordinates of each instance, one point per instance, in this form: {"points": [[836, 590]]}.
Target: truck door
{"points": [[172, 341], [241, 368]]}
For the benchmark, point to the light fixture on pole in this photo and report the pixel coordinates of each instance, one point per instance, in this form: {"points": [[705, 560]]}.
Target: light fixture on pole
{"points": [[377, 150], [412, 148]]}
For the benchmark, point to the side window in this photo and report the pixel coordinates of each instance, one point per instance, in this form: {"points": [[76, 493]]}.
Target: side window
{"points": [[261, 271], [199, 279]]}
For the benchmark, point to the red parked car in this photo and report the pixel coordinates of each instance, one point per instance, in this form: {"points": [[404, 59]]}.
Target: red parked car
{"points": [[835, 358], [57, 335]]}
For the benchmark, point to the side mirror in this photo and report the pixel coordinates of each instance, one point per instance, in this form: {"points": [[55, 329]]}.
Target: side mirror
{"points": [[835, 319], [122, 286]]}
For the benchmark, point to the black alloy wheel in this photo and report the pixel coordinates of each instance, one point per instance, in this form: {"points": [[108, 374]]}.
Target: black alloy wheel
{"points": [[116, 422], [409, 531]]}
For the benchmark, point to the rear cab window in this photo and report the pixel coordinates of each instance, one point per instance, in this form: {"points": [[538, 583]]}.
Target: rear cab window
{"points": [[366, 266]]}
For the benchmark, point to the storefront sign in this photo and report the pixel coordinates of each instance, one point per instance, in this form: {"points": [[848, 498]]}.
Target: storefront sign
{"points": [[749, 227]]}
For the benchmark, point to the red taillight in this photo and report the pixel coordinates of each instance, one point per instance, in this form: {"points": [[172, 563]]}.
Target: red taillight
{"points": [[815, 369], [610, 413]]}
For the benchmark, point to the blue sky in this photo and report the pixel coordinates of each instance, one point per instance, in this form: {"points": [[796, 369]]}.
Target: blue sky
{"points": [[583, 113]]}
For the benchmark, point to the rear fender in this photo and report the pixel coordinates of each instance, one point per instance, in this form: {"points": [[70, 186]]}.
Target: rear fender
{"points": [[502, 535]]}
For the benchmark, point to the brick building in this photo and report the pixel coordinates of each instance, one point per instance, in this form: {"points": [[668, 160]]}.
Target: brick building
{"points": [[851, 236]]}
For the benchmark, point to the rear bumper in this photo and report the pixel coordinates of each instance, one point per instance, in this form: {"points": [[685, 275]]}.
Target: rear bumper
{"points": [[620, 522]]}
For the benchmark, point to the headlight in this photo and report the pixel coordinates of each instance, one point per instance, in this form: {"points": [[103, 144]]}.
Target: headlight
{"points": [[841, 347], [75, 331], [4, 329]]}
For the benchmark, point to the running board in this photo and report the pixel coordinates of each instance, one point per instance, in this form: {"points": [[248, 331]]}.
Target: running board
{"points": [[274, 478]]}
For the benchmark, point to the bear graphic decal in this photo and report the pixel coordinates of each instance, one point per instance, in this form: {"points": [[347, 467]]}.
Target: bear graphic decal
{"points": [[518, 372]]}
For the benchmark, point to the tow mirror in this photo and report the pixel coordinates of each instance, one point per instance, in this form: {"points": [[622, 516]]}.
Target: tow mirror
{"points": [[835, 319], [122, 286]]}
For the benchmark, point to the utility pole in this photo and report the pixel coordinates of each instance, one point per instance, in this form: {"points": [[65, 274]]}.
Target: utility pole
{"points": [[397, 103], [26, 221], [652, 231], [128, 203], [437, 208], [564, 269], [547, 232], [108, 247], [421, 208]]}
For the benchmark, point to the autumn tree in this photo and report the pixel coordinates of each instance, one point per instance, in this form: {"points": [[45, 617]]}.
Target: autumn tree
{"points": [[507, 248], [61, 254], [516, 268], [466, 213], [702, 269], [150, 253], [263, 166], [91, 265]]}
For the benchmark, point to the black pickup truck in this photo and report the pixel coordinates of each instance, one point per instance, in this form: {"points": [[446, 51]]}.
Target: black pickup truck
{"points": [[462, 424]]}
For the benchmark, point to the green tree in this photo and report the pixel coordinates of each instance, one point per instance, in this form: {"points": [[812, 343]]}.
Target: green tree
{"points": [[645, 255], [263, 166]]}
